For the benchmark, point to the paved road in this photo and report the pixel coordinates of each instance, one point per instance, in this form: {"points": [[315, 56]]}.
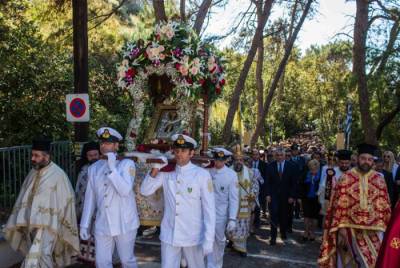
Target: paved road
{"points": [[290, 253]]}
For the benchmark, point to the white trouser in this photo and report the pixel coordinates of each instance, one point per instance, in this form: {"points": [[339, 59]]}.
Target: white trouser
{"points": [[171, 256], [215, 259], [125, 246]]}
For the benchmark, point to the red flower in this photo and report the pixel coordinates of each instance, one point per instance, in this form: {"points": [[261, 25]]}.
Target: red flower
{"points": [[189, 80], [222, 82], [177, 66], [141, 148], [202, 82], [218, 90], [131, 72]]}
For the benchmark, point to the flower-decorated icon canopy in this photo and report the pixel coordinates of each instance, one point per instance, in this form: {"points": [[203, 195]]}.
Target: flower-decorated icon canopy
{"points": [[173, 49]]}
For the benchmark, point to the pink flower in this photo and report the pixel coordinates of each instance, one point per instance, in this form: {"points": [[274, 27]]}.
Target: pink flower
{"points": [[183, 70], [194, 70]]}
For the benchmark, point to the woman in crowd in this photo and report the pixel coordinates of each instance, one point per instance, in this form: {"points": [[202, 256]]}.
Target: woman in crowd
{"points": [[308, 192], [389, 163]]}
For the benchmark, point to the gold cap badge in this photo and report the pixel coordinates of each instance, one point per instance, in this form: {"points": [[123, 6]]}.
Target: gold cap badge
{"points": [[180, 140], [106, 134]]}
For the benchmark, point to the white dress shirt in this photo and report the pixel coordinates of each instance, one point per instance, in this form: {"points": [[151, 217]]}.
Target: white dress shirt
{"points": [[189, 206], [111, 194], [226, 193]]}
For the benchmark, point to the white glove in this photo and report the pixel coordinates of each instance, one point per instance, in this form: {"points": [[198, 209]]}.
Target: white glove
{"points": [[160, 166], [112, 160], [231, 226], [207, 247], [206, 164], [84, 234]]}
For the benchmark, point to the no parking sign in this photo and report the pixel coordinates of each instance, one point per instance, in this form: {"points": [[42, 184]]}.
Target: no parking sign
{"points": [[77, 107]]}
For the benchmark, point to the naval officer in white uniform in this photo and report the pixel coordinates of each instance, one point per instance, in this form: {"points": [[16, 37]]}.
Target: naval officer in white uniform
{"points": [[188, 225], [110, 193], [226, 193]]}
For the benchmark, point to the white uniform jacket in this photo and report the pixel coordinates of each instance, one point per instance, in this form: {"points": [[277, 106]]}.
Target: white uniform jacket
{"points": [[189, 206], [226, 190], [111, 195]]}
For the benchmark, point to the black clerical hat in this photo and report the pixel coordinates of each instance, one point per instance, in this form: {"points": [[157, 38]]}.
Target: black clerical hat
{"points": [[344, 154], [41, 144], [365, 148]]}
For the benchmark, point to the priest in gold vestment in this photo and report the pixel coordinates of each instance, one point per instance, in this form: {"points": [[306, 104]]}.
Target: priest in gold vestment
{"points": [[248, 194], [357, 217], [42, 225]]}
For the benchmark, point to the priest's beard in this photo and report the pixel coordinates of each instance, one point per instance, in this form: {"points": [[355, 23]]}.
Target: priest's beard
{"points": [[238, 167], [364, 168], [40, 165], [344, 169]]}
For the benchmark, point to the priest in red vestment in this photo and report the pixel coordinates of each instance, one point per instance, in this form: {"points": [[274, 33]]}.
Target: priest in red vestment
{"points": [[389, 254], [357, 217]]}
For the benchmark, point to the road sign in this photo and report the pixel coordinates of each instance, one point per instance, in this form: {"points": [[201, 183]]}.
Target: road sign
{"points": [[77, 107]]}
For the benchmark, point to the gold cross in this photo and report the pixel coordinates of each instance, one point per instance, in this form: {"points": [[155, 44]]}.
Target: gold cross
{"points": [[395, 243]]}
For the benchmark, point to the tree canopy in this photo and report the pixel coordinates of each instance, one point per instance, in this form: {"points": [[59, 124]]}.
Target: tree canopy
{"points": [[284, 89]]}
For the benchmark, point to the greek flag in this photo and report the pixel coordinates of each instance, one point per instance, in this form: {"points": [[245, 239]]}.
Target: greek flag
{"points": [[349, 118]]}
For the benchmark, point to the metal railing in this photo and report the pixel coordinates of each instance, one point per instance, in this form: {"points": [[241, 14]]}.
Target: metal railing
{"points": [[15, 163]]}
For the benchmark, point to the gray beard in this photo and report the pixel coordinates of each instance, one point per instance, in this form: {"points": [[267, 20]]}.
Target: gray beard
{"points": [[39, 166]]}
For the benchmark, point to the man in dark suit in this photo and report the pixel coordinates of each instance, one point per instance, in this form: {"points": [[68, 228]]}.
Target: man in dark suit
{"points": [[301, 166], [280, 188], [257, 163]]}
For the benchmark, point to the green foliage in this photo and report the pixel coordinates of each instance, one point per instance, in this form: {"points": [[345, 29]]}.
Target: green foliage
{"points": [[36, 71], [34, 77]]}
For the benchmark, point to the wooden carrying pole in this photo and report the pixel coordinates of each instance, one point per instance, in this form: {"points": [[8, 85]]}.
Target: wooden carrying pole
{"points": [[195, 159], [204, 145]]}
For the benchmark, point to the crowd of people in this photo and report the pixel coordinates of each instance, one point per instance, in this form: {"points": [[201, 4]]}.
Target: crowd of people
{"points": [[350, 195]]}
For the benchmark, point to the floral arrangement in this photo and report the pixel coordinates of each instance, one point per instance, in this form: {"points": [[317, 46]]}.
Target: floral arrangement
{"points": [[174, 50]]}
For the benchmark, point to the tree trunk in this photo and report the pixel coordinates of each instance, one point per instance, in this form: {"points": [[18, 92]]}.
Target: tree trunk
{"points": [[201, 15], [260, 83], [182, 8], [359, 73], [280, 70], [81, 73], [159, 10], [387, 119], [234, 102]]}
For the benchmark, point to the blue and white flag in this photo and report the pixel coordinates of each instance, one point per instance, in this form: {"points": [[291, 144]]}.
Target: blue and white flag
{"points": [[349, 118]]}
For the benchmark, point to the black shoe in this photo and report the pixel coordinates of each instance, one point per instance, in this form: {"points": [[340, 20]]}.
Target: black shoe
{"points": [[272, 242], [243, 254], [283, 237], [305, 239], [290, 231]]}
